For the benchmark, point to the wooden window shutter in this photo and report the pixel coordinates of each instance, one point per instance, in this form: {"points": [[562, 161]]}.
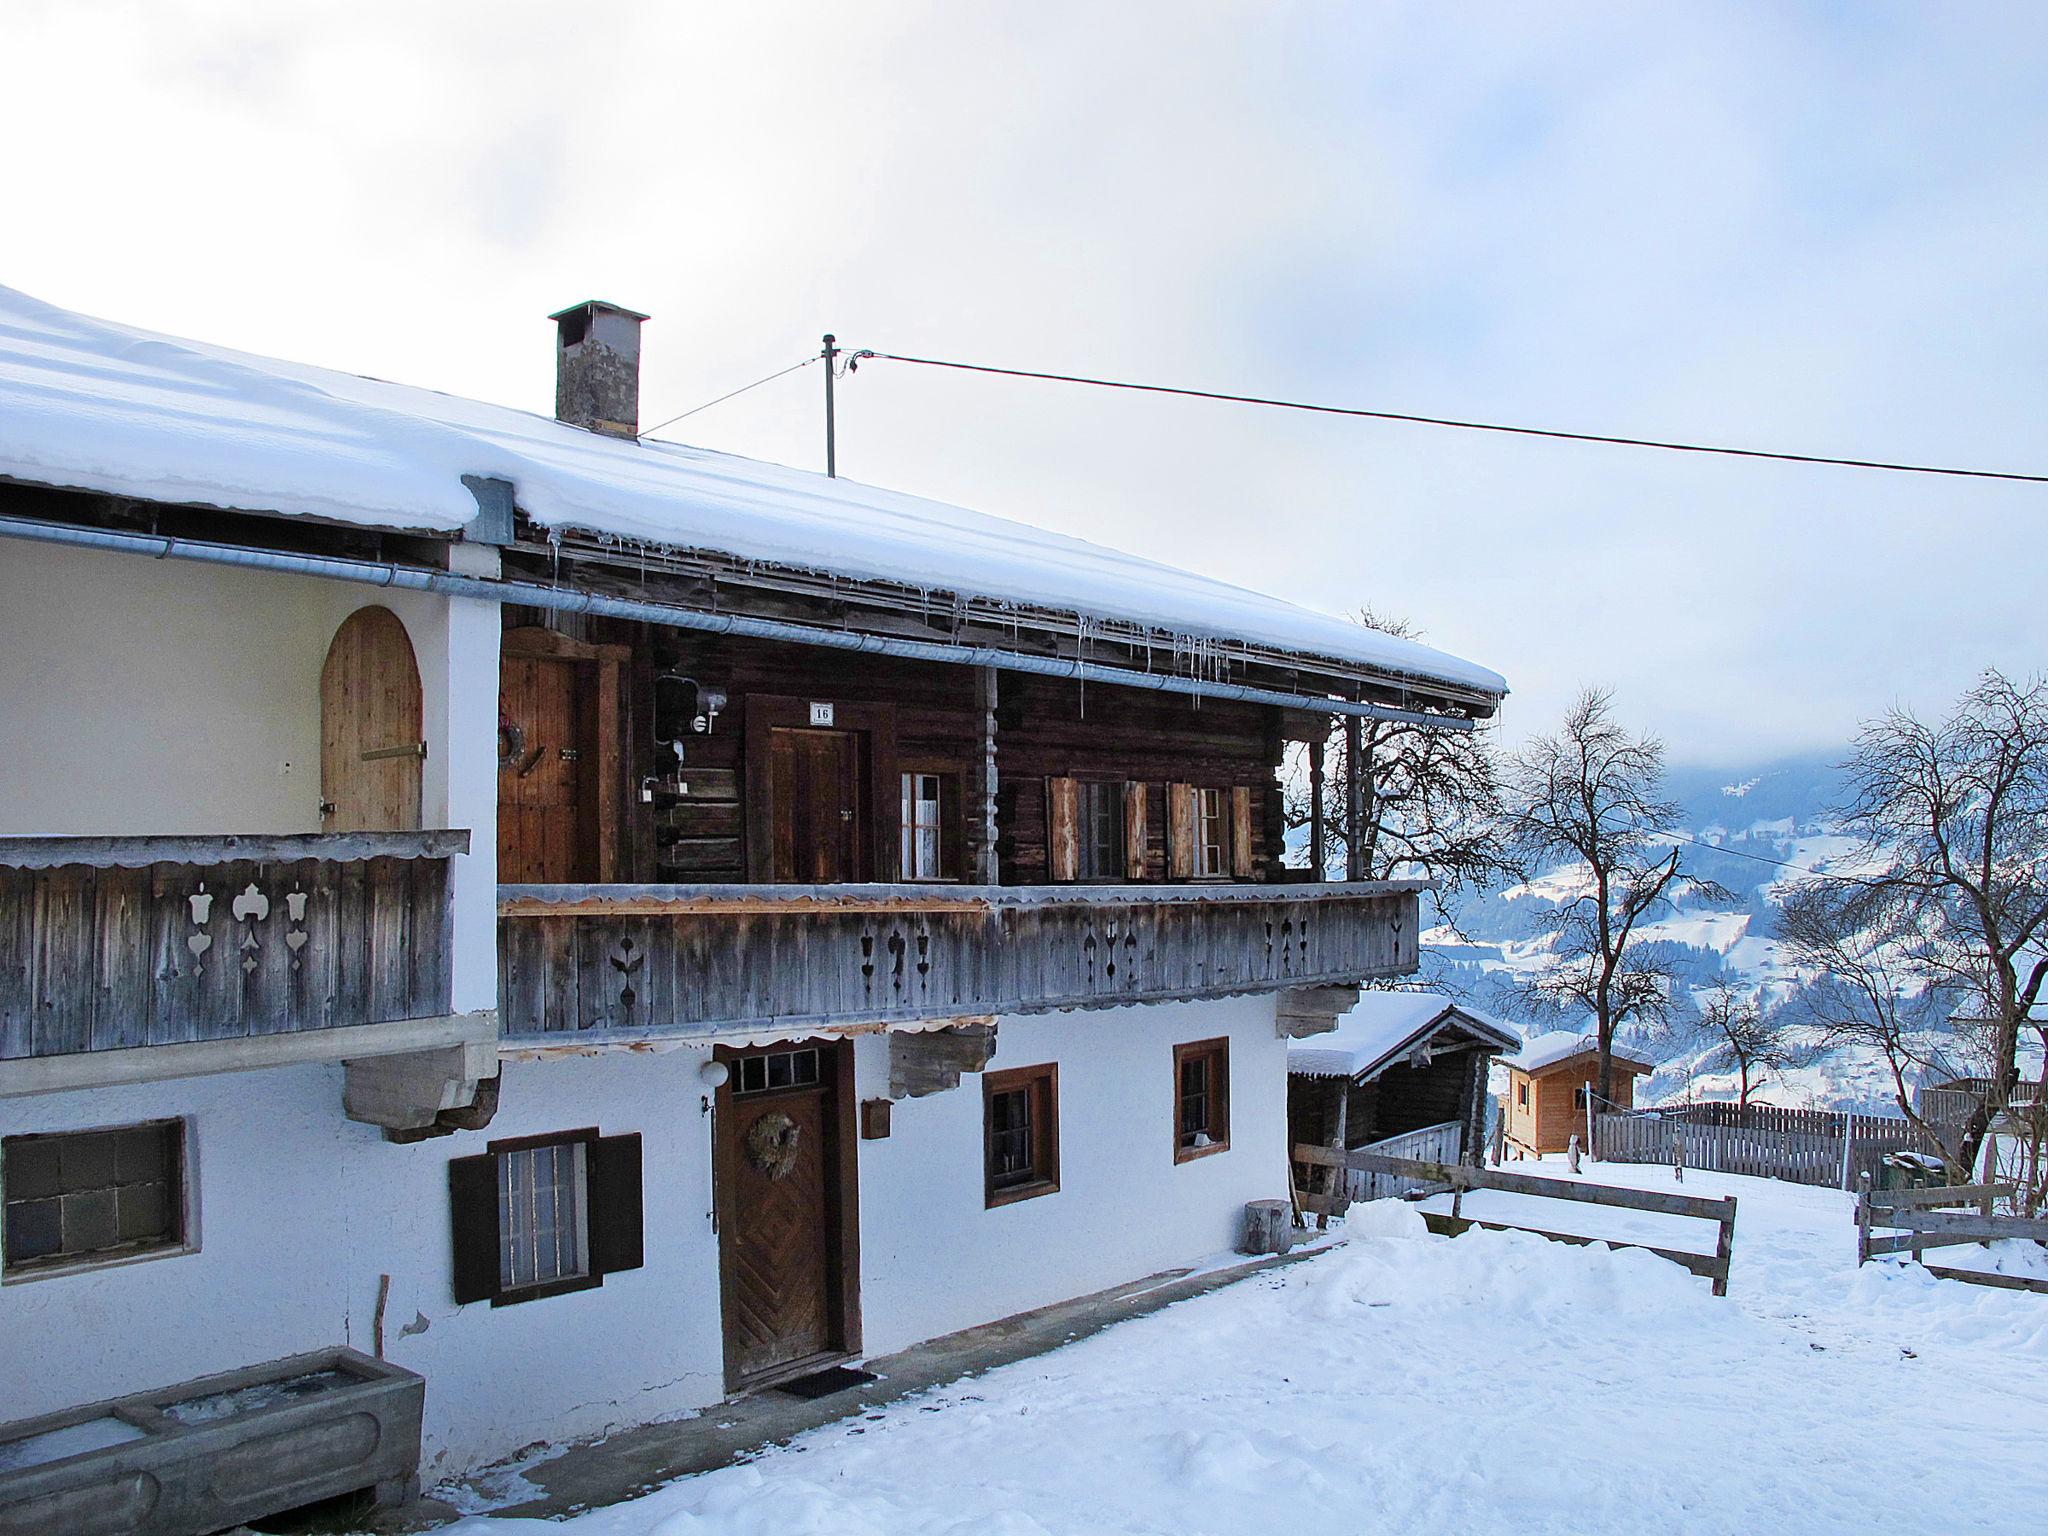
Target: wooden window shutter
{"points": [[473, 1218], [1134, 830], [1062, 829], [1180, 831], [612, 1169], [952, 863], [1241, 832]]}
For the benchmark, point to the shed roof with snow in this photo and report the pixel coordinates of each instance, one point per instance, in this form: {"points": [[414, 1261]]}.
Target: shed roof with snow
{"points": [[1383, 1028], [1558, 1047], [93, 406]]}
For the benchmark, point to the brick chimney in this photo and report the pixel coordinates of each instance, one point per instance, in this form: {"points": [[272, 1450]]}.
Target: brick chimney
{"points": [[597, 367]]}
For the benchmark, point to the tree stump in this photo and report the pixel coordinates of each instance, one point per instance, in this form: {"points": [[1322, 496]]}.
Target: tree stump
{"points": [[1268, 1227]]}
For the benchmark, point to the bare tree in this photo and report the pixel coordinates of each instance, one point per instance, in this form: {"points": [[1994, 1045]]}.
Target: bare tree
{"points": [[1955, 816], [1591, 795], [1754, 1038], [1429, 802], [1858, 938]]}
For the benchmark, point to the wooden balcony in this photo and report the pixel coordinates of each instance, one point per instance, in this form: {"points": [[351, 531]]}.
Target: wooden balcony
{"points": [[647, 961], [110, 944]]}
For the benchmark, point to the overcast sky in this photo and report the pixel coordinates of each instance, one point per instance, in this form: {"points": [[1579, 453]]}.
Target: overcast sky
{"points": [[1816, 227]]}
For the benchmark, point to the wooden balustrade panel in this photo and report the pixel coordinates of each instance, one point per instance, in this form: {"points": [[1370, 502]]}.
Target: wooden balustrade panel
{"points": [[108, 958], [700, 971]]}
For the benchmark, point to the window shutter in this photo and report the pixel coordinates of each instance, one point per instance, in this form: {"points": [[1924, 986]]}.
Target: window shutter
{"points": [[612, 1167], [1241, 832], [951, 864], [1134, 830], [1062, 829], [1180, 831], [473, 1219]]}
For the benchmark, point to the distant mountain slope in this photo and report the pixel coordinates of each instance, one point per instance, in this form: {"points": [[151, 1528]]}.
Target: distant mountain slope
{"points": [[1743, 827]]}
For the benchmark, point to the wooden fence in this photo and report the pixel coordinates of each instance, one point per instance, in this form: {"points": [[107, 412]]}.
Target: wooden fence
{"points": [[1801, 1146], [1916, 1222], [1458, 1179], [1432, 1144]]}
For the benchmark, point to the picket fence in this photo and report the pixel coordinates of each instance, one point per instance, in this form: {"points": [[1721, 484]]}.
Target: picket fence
{"points": [[1800, 1146]]}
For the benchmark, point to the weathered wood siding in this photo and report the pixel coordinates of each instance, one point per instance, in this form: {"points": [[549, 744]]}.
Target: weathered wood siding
{"points": [[1045, 728], [128, 951], [702, 960]]}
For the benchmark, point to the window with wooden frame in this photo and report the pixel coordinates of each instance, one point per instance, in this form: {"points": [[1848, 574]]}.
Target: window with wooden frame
{"points": [[1095, 829], [1522, 1093], [80, 1198], [1021, 1133], [1208, 832], [543, 1215], [931, 828], [1201, 1099]]}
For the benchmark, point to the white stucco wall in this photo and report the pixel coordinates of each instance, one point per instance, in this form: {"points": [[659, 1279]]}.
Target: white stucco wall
{"points": [[154, 696], [300, 1212]]}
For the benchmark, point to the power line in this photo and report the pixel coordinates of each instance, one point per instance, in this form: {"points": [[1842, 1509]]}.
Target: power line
{"points": [[792, 368], [1447, 421]]}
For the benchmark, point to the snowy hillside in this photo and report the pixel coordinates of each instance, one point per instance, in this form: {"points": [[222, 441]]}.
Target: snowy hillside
{"points": [[1744, 827]]}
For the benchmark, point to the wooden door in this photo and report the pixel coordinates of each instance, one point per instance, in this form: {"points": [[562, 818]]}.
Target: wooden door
{"points": [[820, 829], [787, 1222], [371, 742], [542, 770]]}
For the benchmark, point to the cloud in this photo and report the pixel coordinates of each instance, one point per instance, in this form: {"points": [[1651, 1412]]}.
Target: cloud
{"points": [[1811, 227]]}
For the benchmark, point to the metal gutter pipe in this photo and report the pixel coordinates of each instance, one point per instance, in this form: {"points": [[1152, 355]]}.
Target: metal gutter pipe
{"points": [[529, 594]]}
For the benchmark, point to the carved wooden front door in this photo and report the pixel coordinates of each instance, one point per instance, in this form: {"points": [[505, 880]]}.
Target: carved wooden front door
{"points": [[785, 1173], [820, 833], [371, 746], [543, 826]]}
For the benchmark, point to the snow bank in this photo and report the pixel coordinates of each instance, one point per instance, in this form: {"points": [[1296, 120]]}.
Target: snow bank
{"points": [[97, 406]]}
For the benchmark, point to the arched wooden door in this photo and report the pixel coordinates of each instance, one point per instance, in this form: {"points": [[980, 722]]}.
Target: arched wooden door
{"points": [[371, 742]]}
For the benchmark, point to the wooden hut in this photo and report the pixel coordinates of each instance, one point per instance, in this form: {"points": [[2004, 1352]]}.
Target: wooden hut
{"points": [[1404, 1073], [1548, 1083]]}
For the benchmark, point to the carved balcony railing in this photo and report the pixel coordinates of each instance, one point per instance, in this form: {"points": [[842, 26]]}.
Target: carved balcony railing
{"points": [[645, 961], [113, 943]]}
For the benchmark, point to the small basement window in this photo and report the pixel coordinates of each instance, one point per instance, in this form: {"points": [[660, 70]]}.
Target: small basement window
{"points": [[1021, 1134], [544, 1215], [1201, 1101], [91, 1197]]}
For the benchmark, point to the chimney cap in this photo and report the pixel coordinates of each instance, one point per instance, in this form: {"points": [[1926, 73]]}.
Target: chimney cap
{"points": [[592, 306]]}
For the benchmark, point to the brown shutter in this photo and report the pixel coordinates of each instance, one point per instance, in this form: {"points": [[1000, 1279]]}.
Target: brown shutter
{"points": [[612, 1170], [473, 1222], [1241, 832], [1134, 830], [951, 862], [1180, 831], [1062, 829]]}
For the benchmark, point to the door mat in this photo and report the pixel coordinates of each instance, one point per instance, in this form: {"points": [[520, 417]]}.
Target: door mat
{"points": [[824, 1383]]}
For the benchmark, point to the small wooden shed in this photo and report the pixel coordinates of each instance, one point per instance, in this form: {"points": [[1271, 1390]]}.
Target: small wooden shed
{"points": [[1549, 1079], [1401, 1066]]}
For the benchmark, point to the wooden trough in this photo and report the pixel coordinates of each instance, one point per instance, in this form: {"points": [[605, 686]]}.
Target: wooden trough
{"points": [[208, 1454]]}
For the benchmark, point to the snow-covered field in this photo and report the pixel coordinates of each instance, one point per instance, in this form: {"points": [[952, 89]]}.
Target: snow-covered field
{"points": [[1495, 1382]]}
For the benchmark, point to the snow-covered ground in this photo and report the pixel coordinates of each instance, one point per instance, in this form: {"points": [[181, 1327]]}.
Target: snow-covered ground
{"points": [[1495, 1382]]}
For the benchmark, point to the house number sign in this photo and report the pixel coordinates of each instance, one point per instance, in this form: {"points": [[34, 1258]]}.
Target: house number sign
{"points": [[821, 714]]}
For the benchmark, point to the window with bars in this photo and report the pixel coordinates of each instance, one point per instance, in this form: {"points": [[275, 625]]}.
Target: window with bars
{"points": [[1201, 1102], [543, 1237], [1021, 1133], [84, 1197], [543, 1215]]}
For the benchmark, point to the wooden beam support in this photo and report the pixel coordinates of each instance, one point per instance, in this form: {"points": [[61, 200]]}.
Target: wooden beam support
{"points": [[987, 864]]}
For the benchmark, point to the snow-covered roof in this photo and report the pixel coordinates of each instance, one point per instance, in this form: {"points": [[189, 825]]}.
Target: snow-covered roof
{"points": [[1559, 1045], [95, 406], [1381, 1026]]}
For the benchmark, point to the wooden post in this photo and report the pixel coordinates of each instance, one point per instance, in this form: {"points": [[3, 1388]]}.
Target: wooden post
{"points": [[1338, 1180], [1572, 1153], [1316, 868], [1724, 1248], [987, 866], [1678, 1155], [1354, 842], [1863, 1219], [1848, 1140]]}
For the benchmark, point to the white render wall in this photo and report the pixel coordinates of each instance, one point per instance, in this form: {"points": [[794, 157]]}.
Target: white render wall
{"points": [[300, 1212], [160, 697]]}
